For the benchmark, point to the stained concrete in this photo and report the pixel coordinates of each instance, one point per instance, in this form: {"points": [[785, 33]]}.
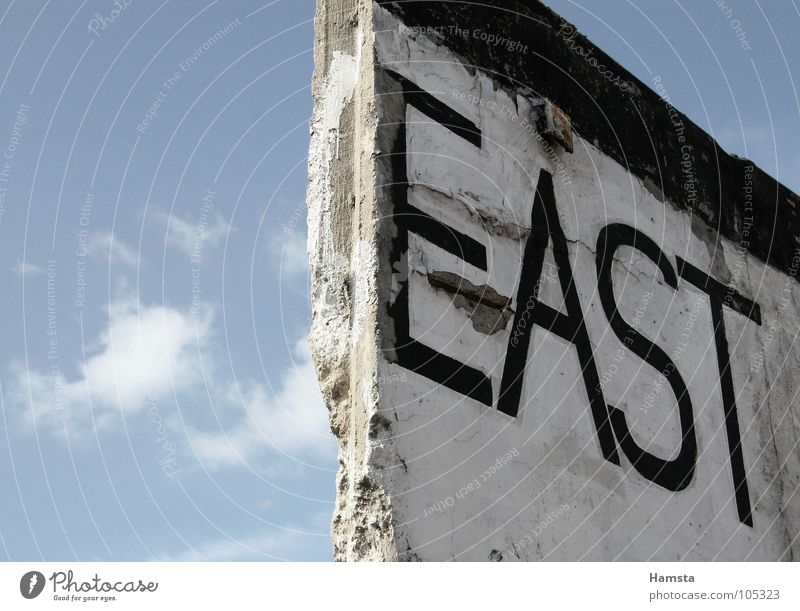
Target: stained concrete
{"points": [[430, 470]]}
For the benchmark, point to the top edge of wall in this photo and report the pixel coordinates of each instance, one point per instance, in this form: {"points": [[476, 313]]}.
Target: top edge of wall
{"points": [[620, 115]]}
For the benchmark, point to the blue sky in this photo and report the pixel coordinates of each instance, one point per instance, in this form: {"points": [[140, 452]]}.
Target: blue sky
{"points": [[158, 400]]}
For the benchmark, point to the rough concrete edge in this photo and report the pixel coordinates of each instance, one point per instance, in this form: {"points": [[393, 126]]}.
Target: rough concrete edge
{"points": [[343, 262]]}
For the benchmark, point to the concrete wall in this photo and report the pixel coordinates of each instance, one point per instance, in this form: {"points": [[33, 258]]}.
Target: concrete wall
{"points": [[552, 319]]}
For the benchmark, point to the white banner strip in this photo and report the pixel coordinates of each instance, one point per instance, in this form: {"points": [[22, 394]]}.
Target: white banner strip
{"points": [[383, 587]]}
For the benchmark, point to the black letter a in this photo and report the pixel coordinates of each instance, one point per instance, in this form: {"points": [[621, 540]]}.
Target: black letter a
{"points": [[545, 226]]}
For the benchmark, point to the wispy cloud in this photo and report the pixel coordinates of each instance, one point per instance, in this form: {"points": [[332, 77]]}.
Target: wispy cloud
{"points": [[113, 249], [24, 268], [293, 420], [192, 236], [288, 254]]}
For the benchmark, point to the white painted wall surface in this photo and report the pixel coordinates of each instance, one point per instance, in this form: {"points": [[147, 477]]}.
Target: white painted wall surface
{"points": [[553, 496]]}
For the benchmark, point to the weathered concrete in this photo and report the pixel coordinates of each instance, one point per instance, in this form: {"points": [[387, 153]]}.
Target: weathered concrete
{"points": [[343, 268], [551, 318]]}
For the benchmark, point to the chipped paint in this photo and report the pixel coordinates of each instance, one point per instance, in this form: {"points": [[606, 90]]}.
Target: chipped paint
{"points": [[414, 436]]}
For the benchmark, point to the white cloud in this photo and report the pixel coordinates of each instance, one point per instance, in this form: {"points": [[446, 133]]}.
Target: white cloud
{"points": [[113, 248], [155, 353], [191, 237], [151, 352], [148, 350], [292, 420], [23, 268], [143, 352], [290, 254]]}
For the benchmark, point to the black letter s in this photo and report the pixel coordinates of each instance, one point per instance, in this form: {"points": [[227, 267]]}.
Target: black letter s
{"points": [[675, 474]]}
